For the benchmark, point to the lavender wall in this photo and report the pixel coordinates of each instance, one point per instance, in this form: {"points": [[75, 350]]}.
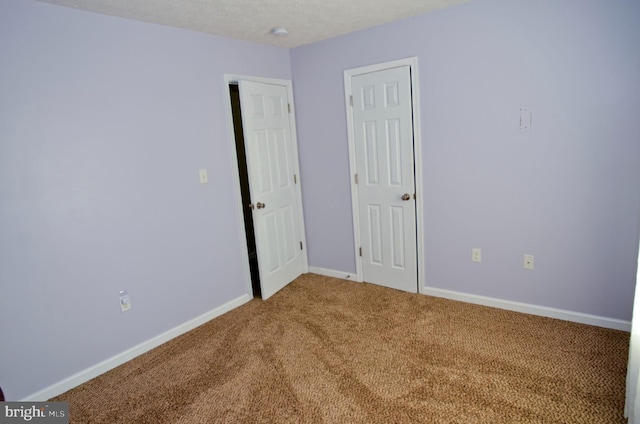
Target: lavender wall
{"points": [[567, 191], [104, 123]]}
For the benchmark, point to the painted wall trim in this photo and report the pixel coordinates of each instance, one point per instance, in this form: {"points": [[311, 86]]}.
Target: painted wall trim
{"points": [[351, 276], [119, 359], [526, 308]]}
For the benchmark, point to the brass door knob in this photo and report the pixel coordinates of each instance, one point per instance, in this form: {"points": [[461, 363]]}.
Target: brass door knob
{"points": [[260, 205], [406, 197]]}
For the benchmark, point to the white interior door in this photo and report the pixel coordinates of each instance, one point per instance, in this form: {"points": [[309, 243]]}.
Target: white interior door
{"points": [[384, 150], [271, 165]]}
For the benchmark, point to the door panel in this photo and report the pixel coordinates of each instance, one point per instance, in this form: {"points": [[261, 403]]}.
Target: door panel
{"points": [[394, 158], [270, 156], [375, 234], [397, 237], [383, 138]]}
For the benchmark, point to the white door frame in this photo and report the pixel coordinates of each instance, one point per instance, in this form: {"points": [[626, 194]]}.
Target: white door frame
{"points": [[412, 62], [231, 79]]}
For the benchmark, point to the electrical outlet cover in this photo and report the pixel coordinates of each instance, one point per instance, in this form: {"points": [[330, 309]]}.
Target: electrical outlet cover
{"points": [[476, 255], [125, 301]]}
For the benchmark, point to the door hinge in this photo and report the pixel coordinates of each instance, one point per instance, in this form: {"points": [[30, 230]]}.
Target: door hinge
{"points": [[360, 251], [301, 246], [295, 179], [289, 107], [351, 100], [356, 177]]}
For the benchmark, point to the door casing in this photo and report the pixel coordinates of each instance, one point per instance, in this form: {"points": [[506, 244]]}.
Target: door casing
{"points": [[348, 74], [234, 79]]}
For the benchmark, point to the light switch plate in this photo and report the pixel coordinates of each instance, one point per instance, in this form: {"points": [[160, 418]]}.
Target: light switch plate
{"points": [[526, 119], [528, 261], [203, 176]]}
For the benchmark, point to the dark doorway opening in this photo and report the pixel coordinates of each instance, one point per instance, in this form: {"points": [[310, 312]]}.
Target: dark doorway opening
{"points": [[244, 188]]}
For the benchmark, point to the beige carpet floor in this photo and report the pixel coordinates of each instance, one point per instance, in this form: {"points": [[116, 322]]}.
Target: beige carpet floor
{"points": [[325, 350]]}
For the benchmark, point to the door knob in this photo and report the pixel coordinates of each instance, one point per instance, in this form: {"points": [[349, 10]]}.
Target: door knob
{"points": [[260, 205], [406, 197]]}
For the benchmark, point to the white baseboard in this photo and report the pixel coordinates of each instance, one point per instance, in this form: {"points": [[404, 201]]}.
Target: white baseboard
{"points": [[119, 359], [579, 317], [526, 308], [332, 273]]}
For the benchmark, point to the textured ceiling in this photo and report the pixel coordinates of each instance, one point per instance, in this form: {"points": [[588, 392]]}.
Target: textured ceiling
{"points": [[307, 20]]}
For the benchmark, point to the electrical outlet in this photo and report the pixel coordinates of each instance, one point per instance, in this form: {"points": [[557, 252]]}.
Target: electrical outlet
{"points": [[476, 255], [528, 261], [125, 301]]}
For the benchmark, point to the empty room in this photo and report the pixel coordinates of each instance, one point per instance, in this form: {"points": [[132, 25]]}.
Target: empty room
{"points": [[301, 211]]}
